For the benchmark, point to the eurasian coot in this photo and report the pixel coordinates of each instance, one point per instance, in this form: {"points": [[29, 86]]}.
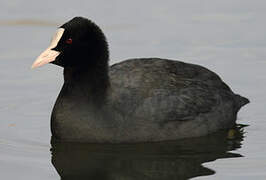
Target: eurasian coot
{"points": [[137, 100]]}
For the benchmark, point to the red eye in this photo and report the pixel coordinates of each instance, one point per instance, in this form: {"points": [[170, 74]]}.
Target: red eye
{"points": [[69, 41]]}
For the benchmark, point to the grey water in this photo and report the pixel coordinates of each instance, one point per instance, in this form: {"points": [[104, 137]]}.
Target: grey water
{"points": [[227, 37]]}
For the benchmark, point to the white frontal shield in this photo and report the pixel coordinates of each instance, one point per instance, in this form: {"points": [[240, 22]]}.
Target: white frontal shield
{"points": [[49, 55]]}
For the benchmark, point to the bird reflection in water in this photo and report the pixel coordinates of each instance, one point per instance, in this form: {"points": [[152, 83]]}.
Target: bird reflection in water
{"points": [[180, 159]]}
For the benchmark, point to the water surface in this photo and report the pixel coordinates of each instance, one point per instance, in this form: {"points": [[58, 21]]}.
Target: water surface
{"points": [[227, 37]]}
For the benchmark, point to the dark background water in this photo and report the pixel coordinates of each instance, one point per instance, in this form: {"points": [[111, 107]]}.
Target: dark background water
{"points": [[228, 37]]}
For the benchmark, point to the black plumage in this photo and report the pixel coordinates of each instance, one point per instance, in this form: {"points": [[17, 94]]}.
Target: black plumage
{"points": [[137, 100]]}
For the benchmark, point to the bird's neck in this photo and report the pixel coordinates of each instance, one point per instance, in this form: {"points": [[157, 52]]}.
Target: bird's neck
{"points": [[90, 83]]}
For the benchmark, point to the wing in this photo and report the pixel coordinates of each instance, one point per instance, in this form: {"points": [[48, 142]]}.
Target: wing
{"points": [[185, 104], [165, 90]]}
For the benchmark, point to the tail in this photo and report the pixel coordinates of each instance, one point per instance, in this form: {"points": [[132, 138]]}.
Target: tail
{"points": [[240, 101]]}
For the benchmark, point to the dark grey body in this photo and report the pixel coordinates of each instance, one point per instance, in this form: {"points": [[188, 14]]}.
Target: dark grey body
{"points": [[148, 100]]}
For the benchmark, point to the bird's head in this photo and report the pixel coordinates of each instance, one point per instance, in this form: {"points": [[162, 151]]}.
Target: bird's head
{"points": [[78, 43]]}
